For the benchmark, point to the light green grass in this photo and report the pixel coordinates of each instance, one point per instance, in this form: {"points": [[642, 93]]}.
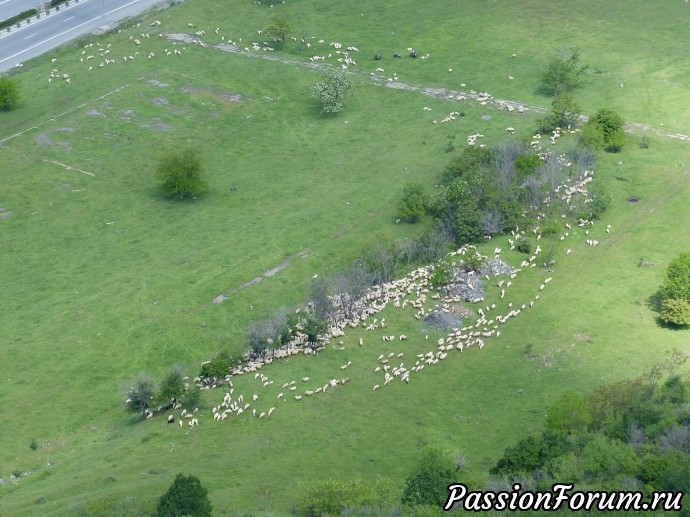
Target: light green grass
{"points": [[90, 304]]}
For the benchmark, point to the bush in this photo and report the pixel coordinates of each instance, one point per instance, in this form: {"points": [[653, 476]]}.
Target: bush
{"points": [[676, 312], [9, 93], [428, 484], [279, 29], [610, 125], [186, 497], [569, 414], [333, 497], [182, 174], [172, 387], [218, 367], [141, 394], [564, 113], [333, 90], [676, 284], [526, 164], [524, 245], [414, 201]]}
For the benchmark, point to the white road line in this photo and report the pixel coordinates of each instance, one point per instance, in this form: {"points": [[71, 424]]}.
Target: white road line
{"points": [[122, 7], [68, 19], [4, 2], [31, 35], [46, 40]]}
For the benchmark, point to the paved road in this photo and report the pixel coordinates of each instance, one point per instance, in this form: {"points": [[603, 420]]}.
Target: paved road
{"points": [[60, 27], [9, 8]]}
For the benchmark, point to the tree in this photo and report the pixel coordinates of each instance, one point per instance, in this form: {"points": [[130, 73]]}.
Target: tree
{"points": [[333, 90], [428, 484], [185, 497], [9, 92], [172, 387], [414, 201], [279, 29], [610, 125], [564, 113], [140, 394], [564, 71], [569, 414], [676, 283], [181, 173]]}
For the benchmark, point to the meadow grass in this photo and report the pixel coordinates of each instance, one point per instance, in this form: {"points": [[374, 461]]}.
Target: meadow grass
{"points": [[90, 303]]}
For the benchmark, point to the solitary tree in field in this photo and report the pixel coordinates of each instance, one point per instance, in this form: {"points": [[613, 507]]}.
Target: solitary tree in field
{"points": [[564, 71], [181, 173], [280, 28], [333, 90], [9, 93], [140, 394], [185, 497]]}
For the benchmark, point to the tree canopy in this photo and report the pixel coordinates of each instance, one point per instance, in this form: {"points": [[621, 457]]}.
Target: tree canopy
{"points": [[185, 497], [181, 173], [9, 92]]}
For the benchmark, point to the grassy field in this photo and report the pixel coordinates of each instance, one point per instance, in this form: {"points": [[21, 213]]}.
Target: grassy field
{"points": [[105, 279]]}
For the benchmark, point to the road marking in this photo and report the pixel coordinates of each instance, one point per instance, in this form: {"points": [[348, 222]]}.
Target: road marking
{"points": [[68, 19], [4, 2], [31, 35], [45, 41], [122, 7]]}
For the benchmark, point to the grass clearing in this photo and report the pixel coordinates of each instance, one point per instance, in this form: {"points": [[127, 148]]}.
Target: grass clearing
{"points": [[94, 303]]}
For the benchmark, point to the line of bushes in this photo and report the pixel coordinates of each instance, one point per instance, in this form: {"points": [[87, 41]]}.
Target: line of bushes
{"points": [[17, 18], [55, 3]]}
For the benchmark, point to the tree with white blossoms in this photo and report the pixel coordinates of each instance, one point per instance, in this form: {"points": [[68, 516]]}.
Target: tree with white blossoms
{"points": [[333, 90]]}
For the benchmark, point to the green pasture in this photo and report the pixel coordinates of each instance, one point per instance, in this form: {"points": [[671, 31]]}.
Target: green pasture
{"points": [[103, 278]]}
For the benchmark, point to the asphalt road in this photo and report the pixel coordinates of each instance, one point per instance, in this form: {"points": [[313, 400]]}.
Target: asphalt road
{"points": [[60, 27]]}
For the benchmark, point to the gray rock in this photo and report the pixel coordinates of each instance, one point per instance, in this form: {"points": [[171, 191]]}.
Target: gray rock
{"points": [[495, 266], [442, 320]]}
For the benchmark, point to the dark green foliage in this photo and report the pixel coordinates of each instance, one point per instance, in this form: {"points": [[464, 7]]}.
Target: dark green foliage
{"points": [[18, 17], [676, 284], [9, 92], [335, 497], [530, 454], [644, 142], [181, 174], [279, 29], [33, 445], [676, 312], [54, 3], [600, 202], [471, 159], [564, 113], [524, 245], [172, 387], [441, 275], [604, 129], [414, 201], [590, 137], [569, 414], [314, 329], [185, 497], [675, 391], [333, 90], [610, 401], [563, 72], [218, 367], [427, 485], [468, 223], [526, 164]]}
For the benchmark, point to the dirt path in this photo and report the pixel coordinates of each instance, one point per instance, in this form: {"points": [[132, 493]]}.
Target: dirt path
{"points": [[438, 93]]}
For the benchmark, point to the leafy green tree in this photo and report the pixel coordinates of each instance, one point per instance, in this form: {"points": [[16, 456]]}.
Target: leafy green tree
{"points": [[676, 284], [427, 485], [530, 454], [9, 92], [564, 113], [185, 497], [414, 201], [333, 90], [217, 367], [335, 497], [172, 387], [570, 413], [676, 312], [140, 394], [279, 28], [471, 159], [610, 125], [564, 71], [591, 137], [181, 173]]}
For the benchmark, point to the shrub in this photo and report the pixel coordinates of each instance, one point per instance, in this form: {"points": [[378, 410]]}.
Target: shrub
{"points": [[644, 142], [217, 367], [141, 393], [523, 245], [676, 312], [17, 18], [181, 173], [333, 90], [427, 485], [570, 413], [414, 201], [564, 113], [9, 92], [471, 159], [334, 497], [280, 27], [676, 284], [526, 164], [186, 497], [440, 276], [172, 387], [610, 125]]}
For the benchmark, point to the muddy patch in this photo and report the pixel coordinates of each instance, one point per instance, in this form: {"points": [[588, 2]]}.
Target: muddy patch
{"points": [[227, 98], [65, 129], [160, 101], [153, 82], [158, 125], [128, 115], [45, 140], [94, 113]]}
